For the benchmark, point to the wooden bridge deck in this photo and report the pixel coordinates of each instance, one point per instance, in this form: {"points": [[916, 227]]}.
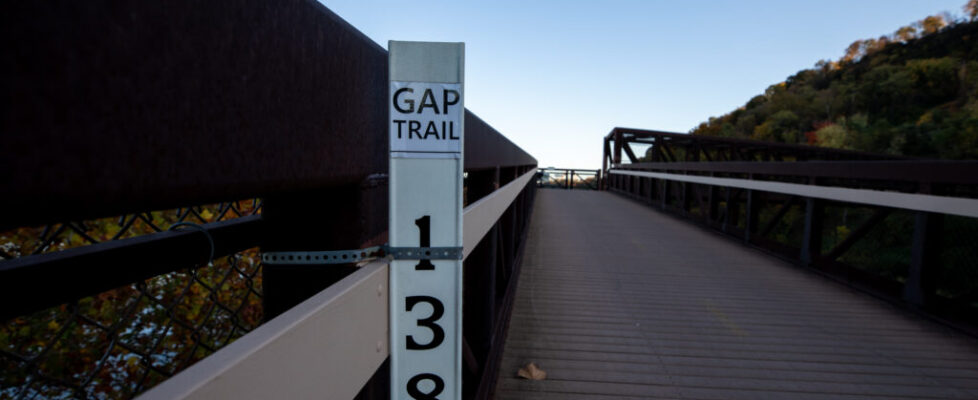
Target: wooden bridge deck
{"points": [[619, 301]]}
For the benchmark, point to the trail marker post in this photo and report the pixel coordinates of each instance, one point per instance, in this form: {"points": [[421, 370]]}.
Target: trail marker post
{"points": [[426, 142]]}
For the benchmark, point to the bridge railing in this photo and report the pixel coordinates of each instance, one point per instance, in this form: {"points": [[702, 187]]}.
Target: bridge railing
{"points": [[642, 145], [155, 152], [565, 178], [901, 229], [336, 341]]}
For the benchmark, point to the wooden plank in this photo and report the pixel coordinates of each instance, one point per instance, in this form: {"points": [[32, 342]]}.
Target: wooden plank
{"points": [[619, 301]]}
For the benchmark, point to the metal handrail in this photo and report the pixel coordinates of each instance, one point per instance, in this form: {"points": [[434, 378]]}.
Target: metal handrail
{"points": [[914, 171], [352, 314], [908, 201], [922, 203], [569, 178]]}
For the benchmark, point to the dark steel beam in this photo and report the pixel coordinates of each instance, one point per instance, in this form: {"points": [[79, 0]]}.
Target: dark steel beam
{"points": [[628, 151], [782, 210], [878, 216], [753, 208], [131, 106], [506, 297], [811, 244], [706, 154], [667, 151], [817, 152], [606, 155], [919, 288], [616, 155], [485, 147], [119, 107], [33, 283]]}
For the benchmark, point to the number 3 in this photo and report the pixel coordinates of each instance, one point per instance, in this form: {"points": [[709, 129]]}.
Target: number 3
{"points": [[439, 310]]}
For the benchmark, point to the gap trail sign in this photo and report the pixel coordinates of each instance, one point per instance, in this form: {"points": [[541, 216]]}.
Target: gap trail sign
{"points": [[426, 142]]}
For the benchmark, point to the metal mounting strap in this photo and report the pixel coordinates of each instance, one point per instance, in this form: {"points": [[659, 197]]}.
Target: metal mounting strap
{"points": [[320, 257], [425, 253], [352, 256]]}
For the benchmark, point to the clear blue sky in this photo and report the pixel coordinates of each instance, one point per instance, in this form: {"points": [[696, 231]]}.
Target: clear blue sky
{"points": [[556, 76]]}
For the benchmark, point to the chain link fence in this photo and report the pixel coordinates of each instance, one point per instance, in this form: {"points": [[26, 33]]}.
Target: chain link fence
{"points": [[118, 343]]}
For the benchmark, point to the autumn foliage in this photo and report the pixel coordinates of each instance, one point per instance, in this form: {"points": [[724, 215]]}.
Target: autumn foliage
{"points": [[912, 93], [117, 343]]}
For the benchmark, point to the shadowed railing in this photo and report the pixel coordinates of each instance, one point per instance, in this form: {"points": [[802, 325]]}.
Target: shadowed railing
{"points": [[134, 132], [565, 178], [902, 229]]}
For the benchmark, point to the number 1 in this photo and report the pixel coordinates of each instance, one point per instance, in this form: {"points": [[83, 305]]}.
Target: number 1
{"points": [[424, 226]]}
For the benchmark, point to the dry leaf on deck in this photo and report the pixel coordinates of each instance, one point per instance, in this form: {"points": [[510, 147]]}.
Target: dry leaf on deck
{"points": [[532, 372]]}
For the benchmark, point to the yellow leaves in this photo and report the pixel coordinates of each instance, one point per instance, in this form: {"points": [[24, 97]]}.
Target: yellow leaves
{"points": [[76, 240], [110, 231], [928, 117], [833, 135], [132, 363], [842, 231], [53, 325], [158, 220], [207, 215]]}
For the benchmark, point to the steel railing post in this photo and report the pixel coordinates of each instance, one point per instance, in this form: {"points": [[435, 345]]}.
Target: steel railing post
{"points": [[919, 287], [750, 220], [811, 245], [665, 195]]}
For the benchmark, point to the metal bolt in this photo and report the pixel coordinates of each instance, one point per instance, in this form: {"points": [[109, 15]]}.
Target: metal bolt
{"points": [[380, 290], [380, 345]]}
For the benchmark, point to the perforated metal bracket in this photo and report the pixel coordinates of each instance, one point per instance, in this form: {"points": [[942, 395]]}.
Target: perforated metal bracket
{"points": [[425, 253], [352, 256], [320, 257]]}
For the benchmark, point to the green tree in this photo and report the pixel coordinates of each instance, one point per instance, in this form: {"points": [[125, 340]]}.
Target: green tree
{"points": [[782, 126], [935, 80], [833, 135]]}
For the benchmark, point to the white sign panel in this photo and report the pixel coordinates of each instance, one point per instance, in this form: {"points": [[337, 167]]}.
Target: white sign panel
{"points": [[426, 142], [426, 119]]}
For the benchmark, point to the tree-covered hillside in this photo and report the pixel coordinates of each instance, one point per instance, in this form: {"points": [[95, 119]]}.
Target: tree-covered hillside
{"points": [[913, 93]]}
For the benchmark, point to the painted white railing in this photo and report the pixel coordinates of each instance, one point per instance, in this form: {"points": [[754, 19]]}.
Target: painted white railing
{"points": [[908, 201], [328, 346]]}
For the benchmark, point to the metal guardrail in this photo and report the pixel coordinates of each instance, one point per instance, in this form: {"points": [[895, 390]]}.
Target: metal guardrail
{"points": [[642, 145], [903, 230], [335, 341], [908, 201], [282, 103], [565, 178], [674, 147]]}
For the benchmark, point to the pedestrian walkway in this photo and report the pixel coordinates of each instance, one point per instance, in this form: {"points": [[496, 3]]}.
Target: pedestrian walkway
{"points": [[619, 301]]}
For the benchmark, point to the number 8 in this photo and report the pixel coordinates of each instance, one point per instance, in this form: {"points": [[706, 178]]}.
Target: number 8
{"points": [[415, 392]]}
